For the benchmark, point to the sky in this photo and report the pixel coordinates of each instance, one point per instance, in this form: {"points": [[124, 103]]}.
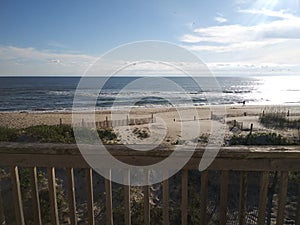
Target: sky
{"points": [[232, 37]]}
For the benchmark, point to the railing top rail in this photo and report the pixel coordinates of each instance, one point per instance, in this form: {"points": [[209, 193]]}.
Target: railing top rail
{"points": [[272, 151], [259, 158]]}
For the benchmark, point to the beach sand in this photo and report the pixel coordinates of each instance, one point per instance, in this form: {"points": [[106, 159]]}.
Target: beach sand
{"points": [[169, 121]]}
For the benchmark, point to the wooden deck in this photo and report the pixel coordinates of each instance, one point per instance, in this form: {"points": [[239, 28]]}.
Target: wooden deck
{"points": [[283, 159]]}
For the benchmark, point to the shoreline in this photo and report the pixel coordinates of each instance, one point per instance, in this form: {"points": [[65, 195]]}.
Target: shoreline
{"points": [[238, 105]]}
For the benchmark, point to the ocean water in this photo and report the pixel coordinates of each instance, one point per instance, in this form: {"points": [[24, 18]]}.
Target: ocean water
{"points": [[57, 93]]}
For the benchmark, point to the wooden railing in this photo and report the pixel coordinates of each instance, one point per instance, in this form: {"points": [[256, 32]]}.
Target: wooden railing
{"points": [[241, 160]]}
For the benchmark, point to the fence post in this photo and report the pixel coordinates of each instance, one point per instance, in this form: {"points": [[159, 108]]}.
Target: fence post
{"points": [[106, 121], [60, 121], [82, 123], [251, 128], [299, 134]]}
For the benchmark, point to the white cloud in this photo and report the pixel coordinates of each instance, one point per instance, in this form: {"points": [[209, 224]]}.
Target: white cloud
{"points": [[55, 60], [275, 40], [220, 18], [271, 13], [30, 61], [257, 3], [219, 34], [288, 28], [234, 47]]}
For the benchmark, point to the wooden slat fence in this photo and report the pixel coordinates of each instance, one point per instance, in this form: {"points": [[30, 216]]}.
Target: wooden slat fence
{"points": [[114, 123]]}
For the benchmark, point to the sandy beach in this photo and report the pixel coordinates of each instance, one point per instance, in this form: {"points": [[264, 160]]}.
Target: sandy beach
{"points": [[169, 121]]}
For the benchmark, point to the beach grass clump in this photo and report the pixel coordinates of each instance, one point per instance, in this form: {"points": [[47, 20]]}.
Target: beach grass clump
{"points": [[141, 133], [259, 139], [8, 134], [178, 142], [279, 120], [55, 134], [85, 135], [203, 138], [107, 134]]}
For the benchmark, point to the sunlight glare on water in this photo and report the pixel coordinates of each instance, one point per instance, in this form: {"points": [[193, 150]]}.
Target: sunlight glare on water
{"points": [[279, 89]]}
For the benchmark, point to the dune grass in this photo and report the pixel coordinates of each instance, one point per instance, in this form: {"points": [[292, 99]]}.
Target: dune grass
{"points": [[52, 134], [259, 139], [8, 134], [278, 119]]}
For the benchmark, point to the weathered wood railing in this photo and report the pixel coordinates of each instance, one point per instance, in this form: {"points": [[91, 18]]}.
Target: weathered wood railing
{"points": [[241, 159]]}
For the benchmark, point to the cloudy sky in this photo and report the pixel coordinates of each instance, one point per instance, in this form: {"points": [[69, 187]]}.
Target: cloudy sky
{"points": [[233, 37]]}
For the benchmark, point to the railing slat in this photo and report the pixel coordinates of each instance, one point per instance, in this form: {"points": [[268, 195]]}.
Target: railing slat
{"points": [[108, 191], [298, 207], [90, 196], [127, 198], [147, 200], [243, 197], [2, 216], [203, 197], [71, 196], [52, 196], [263, 197], [223, 198], [282, 197], [184, 197], [35, 196], [166, 199], [17, 195]]}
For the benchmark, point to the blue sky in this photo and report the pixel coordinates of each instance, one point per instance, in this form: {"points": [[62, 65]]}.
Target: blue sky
{"points": [[231, 36]]}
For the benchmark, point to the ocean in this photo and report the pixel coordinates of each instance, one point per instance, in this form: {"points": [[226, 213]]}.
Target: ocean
{"points": [[41, 94]]}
